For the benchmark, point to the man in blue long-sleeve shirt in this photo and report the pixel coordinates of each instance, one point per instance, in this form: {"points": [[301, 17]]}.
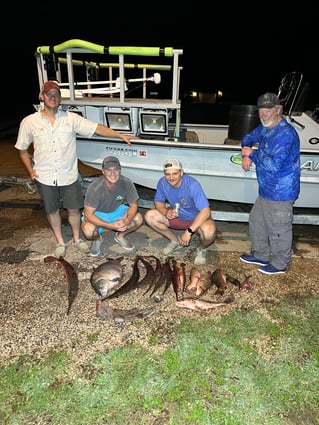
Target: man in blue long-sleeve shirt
{"points": [[274, 147]]}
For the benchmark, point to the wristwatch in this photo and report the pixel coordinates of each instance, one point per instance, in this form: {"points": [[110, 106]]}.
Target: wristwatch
{"points": [[190, 231]]}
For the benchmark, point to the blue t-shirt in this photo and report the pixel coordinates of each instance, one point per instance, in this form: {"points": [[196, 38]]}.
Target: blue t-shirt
{"points": [[277, 160], [189, 195]]}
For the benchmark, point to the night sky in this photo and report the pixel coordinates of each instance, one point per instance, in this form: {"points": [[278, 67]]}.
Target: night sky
{"points": [[242, 50]]}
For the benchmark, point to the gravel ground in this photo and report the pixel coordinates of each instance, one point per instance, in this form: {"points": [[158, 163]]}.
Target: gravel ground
{"points": [[34, 294]]}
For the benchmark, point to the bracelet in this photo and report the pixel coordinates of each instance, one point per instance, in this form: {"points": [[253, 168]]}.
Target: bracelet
{"points": [[245, 156]]}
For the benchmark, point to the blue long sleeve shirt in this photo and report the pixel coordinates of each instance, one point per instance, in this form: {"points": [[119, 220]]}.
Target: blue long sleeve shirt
{"points": [[277, 160]]}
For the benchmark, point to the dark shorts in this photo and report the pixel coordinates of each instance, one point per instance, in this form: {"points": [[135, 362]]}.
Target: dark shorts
{"points": [[179, 224], [56, 197]]}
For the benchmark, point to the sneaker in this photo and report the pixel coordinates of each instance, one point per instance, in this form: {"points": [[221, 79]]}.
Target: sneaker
{"points": [[201, 256], [270, 269], [95, 249], [171, 247], [81, 246], [124, 243], [60, 250], [251, 259]]}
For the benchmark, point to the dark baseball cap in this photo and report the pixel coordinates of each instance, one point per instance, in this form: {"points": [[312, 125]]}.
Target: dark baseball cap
{"points": [[111, 161], [268, 100]]}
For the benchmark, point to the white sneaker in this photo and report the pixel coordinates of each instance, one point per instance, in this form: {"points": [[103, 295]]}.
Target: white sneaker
{"points": [[171, 247], [60, 250], [201, 257], [95, 249]]}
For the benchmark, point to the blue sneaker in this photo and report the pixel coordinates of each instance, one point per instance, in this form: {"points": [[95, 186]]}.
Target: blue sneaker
{"points": [[251, 259], [270, 269]]}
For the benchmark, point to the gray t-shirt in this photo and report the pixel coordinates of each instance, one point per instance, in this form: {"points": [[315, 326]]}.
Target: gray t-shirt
{"points": [[100, 197]]}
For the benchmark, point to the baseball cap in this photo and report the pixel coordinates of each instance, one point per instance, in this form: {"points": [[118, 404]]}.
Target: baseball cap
{"points": [[173, 163], [50, 85], [268, 100], [111, 161]]}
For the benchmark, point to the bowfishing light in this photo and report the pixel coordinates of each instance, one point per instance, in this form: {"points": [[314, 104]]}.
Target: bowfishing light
{"points": [[121, 119], [154, 122]]}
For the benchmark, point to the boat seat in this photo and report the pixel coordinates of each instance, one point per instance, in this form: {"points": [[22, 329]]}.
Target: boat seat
{"points": [[232, 142]]}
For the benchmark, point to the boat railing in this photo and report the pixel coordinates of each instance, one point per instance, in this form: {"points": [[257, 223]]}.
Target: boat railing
{"points": [[89, 79]]}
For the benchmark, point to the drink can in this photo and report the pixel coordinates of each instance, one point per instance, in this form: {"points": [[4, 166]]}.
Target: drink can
{"points": [[176, 208]]}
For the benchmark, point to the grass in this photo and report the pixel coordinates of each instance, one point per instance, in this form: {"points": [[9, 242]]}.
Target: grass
{"points": [[241, 369]]}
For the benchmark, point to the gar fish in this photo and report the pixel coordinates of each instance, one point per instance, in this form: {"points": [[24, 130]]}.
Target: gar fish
{"points": [[71, 276], [107, 278], [149, 273], [165, 279], [200, 305], [105, 311], [168, 272], [157, 274], [219, 279]]}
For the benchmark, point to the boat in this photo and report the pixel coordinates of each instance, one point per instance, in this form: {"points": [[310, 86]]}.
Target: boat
{"points": [[136, 90]]}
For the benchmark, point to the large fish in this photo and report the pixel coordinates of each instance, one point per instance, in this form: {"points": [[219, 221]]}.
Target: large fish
{"points": [[130, 284], [200, 305], [204, 283], [105, 311], [71, 276], [107, 278], [199, 283], [219, 279]]}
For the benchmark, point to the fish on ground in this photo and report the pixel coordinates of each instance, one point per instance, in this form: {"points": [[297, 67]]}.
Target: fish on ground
{"points": [[71, 277], [107, 278], [105, 311], [246, 284], [168, 272], [179, 278], [232, 280], [130, 284], [149, 273], [199, 283], [157, 274], [194, 277], [165, 277], [204, 283], [200, 305], [219, 279]]}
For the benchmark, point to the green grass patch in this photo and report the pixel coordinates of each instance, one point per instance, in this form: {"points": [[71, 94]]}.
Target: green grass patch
{"points": [[244, 368]]}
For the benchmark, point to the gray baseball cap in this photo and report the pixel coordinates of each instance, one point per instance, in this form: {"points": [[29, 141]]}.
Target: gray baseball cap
{"points": [[111, 161], [268, 100]]}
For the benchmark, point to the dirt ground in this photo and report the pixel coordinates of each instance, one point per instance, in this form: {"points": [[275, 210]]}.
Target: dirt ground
{"points": [[34, 294]]}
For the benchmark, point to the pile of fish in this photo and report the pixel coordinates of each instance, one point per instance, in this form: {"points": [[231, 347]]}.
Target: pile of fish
{"points": [[106, 282], [152, 276]]}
